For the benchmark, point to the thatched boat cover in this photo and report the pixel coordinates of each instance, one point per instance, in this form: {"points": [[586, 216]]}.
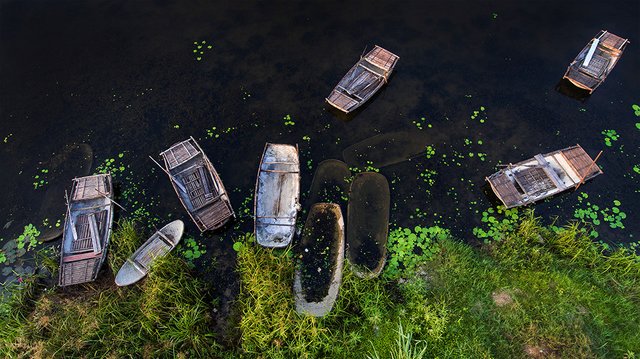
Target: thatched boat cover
{"points": [[596, 60], [368, 218], [318, 274], [198, 185], [276, 196], [158, 245], [87, 229], [363, 80], [543, 176]]}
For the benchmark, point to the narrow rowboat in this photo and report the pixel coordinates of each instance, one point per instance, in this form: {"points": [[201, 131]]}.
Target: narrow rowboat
{"points": [[276, 196], [363, 80], [596, 60], [318, 273], [543, 176], [158, 245], [368, 218], [198, 185], [87, 228]]}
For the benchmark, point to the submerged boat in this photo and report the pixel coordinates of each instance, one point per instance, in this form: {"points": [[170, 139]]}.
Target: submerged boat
{"points": [[87, 228], [158, 245], [318, 274], [543, 176], [368, 218], [363, 80], [596, 60], [330, 184], [198, 185], [276, 195]]}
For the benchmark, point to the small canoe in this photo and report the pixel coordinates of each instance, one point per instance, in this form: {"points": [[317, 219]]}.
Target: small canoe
{"points": [[87, 228], [596, 60], [330, 184], [543, 176], [198, 185], [368, 218], [276, 195], [363, 80], [158, 245], [318, 274]]}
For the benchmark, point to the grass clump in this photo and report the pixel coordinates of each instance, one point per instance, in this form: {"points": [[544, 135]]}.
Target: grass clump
{"points": [[165, 315]]}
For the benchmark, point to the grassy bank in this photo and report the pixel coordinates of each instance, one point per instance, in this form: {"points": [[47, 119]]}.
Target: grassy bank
{"points": [[536, 293]]}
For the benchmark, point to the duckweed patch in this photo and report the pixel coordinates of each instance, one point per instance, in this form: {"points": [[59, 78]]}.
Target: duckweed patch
{"points": [[479, 114], [421, 123], [636, 109], [594, 214], [215, 133], [199, 49], [191, 250], [112, 165], [6, 138], [429, 151]]}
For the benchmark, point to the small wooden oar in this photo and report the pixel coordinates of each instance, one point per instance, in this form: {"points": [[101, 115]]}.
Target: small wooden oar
{"points": [[588, 169]]}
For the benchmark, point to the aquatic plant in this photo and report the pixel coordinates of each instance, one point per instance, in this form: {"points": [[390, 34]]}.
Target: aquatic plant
{"points": [[3, 257], [199, 49], [429, 151], [190, 250], [610, 135], [39, 180], [421, 122], [109, 165], [636, 109], [409, 248], [6, 138], [479, 113], [594, 214], [288, 121], [498, 222], [28, 238]]}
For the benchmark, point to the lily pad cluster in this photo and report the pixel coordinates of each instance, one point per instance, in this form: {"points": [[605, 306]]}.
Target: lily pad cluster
{"points": [[479, 114], [594, 214], [215, 133], [14, 249], [199, 49], [408, 248], [39, 180], [288, 121], [430, 151], [191, 250], [421, 123], [497, 222], [110, 166], [609, 136]]}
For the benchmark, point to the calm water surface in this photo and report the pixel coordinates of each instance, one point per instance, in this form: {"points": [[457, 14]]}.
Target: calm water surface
{"points": [[122, 76]]}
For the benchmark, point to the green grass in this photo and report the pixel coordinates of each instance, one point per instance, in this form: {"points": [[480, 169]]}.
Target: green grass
{"points": [[535, 292]]}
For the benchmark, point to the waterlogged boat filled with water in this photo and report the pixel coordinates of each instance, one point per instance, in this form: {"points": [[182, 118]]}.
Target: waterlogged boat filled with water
{"points": [[276, 195], [368, 218], [318, 273], [596, 60], [198, 185], [87, 228], [543, 176], [158, 245], [363, 80]]}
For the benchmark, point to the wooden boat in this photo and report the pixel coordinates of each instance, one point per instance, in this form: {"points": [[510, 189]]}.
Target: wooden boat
{"points": [[318, 274], [198, 185], [543, 176], [276, 196], [364, 79], [87, 228], [368, 218], [158, 245], [596, 60]]}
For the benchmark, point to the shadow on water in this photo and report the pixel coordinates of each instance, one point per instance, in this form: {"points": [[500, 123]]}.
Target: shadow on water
{"points": [[566, 88]]}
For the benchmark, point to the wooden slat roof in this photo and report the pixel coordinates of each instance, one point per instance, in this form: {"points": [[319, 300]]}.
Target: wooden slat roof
{"points": [[382, 58], [505, 189]]}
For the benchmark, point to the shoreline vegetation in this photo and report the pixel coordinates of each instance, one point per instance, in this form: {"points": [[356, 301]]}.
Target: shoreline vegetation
{"points": [[538, 292]]}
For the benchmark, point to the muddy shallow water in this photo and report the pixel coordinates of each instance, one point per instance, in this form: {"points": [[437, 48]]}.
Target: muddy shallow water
{"points": [[132, 78]]}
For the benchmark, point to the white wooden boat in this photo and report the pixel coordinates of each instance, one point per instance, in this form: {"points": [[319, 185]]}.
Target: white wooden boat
{"points": [[277, 192], [158, 245], [87, 229]]}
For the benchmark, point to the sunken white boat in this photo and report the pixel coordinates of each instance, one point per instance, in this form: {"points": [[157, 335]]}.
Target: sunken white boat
{"points": [[198, 185], [276, 195], [158, 245], [87, 228], [543, 176], [363, 80], [596, 60]]}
